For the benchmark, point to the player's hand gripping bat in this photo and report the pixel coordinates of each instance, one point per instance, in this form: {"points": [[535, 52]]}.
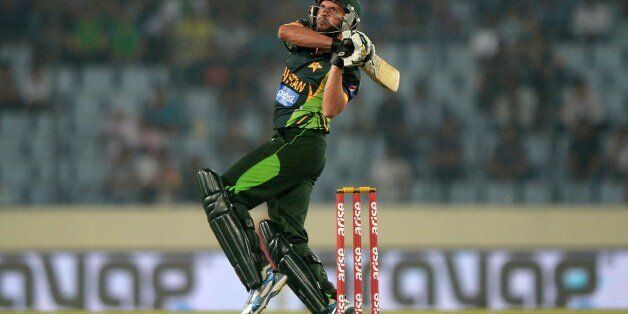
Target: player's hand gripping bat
{"points": [[364, 56]]}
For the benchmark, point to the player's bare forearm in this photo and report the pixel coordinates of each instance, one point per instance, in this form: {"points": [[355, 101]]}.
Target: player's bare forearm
{"points": [[334, 98], [301, 36]]}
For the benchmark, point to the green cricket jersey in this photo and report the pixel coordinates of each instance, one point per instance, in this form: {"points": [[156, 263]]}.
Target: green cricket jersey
{"points": [[299, 98]]}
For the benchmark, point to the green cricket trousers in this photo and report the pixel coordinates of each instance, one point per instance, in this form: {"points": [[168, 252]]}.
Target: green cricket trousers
{"points": [[282, 173]]}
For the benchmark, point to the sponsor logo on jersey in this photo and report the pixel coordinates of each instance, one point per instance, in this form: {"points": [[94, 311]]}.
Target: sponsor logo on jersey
{"points": [[286, 96]]}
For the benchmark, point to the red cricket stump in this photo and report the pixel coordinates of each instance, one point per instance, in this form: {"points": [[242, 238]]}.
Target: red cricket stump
{"points": [[357, 253], [340, 252], [373, 244], [358, 264]]}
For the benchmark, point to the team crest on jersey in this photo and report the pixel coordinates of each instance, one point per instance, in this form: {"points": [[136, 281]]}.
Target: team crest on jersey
{"points": [[315, 66], [353, 90], [286, 96]]}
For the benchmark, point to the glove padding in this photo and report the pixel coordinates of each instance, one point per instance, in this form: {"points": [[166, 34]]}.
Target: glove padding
{"points": [[363, 48], [343, 48]]}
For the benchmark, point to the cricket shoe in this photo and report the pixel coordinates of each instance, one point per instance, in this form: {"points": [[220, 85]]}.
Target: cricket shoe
{"points": [[271, 286], [333, 308]]}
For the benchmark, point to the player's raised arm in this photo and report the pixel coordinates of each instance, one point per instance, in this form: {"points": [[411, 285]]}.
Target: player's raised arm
{"points": [[334, 99], [356, 48], [298, 35], [301, 36], [326, 21]]}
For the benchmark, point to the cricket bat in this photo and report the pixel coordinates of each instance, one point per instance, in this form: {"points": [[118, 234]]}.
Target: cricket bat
{"points": [[377, 68], [382, 73]]}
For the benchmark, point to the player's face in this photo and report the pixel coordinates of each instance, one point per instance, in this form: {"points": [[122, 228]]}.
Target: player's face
{"points": [[330, 14]]}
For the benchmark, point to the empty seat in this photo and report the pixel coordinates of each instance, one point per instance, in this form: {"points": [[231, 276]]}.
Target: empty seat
{"points": [[622, 37], [159, 74], [88, 115], [42, 146], [425, 192], [46, 169], [98, 79], [14, 125], [136, 79], [88, 150], [613, 193], [615, 105], [46, 124], [203, 113], [500, 193], [538, 149], [464, 192], [460, 58], [574, 56], [15, 172], [129, 102], [11, 150], [441, 84], [470, 150], [41, 193], [537, 193], [10, 193], [66, 79], [608, 56], [577, 192]]}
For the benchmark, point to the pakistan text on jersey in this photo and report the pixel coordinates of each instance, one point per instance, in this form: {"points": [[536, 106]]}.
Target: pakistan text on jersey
{"points": [[292, 80]]}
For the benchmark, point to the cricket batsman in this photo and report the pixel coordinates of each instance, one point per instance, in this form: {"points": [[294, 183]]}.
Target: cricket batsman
{"points": [[320, 78]]}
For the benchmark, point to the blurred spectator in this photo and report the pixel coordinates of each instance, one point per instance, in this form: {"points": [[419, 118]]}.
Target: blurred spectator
{"points": [[152, 139], [122, 133], [521, 63], [234, 144], [618, 154], [10, 97], [37, 88], [446, 156], [581, 104], [516, 106], [592, 20], [485, 43], [410, 20], [193, 35], [511, 26], [169, 182], [164, 112], [148, 174], [126, 43], [549, 76], [447, 21], [397, 132], [509, 161], [12, 19], [189, 185], [158, 19], [122, 182], [422, 113], [392, 118], [88, 40], [584, 159], [393, 174], [499, 76]]}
